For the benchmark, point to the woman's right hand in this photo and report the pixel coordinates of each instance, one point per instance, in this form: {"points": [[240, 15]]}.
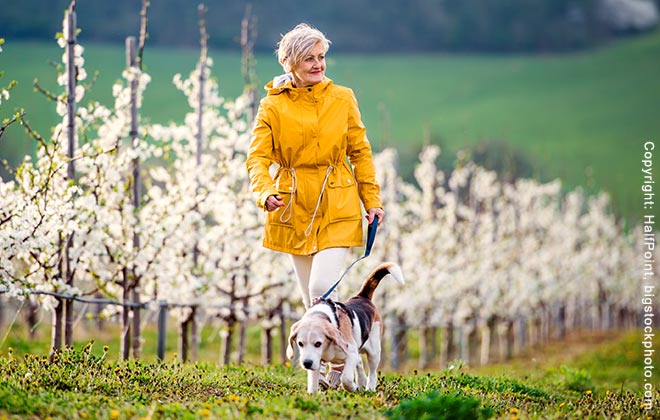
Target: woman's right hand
{"points": [[273, 202]]}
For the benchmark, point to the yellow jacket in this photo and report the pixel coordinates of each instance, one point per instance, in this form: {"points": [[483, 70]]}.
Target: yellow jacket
{"points": [[309, 133]]}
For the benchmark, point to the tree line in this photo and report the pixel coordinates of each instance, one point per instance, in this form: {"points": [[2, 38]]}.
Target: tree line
{"points": [[356, 25]]}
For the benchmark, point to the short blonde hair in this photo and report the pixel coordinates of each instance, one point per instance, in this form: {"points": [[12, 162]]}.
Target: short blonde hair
{"points": [[296, 44]]}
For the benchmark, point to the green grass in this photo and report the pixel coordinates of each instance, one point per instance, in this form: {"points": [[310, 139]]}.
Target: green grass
{"points": [[17, 337], [582, 116], [83, 383]]}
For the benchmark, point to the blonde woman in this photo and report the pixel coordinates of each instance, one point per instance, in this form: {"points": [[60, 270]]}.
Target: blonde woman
{"points": [[312, 130]]}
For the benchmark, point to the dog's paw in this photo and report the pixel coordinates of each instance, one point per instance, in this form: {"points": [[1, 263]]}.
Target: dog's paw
{"points": [[349, 385]]}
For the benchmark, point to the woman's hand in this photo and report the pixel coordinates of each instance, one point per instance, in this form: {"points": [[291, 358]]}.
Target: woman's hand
{"points": [[376, 211], [273, 202]]}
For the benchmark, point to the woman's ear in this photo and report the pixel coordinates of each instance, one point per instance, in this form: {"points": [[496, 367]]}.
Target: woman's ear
{"points": [[285, 65]]}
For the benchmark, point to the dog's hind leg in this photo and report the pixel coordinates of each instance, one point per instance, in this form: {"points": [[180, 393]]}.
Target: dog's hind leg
{"points": [[361, 377], [372, 348]]}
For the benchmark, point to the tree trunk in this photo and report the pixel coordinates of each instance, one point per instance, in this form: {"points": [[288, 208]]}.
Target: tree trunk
{"points": [[394, 350], [136, 340], [131, 62], [536, 333], [98, 309], [521, 335], [486, 336], [399, 345], [68, 321], [32, 317], [433, 341], [266, 346], [424, 347], [446, 345], [72, 77], [283, 339], [242, 331], [184, 343], [227, 342], [125, 318], [561, 322], [56, 331], [606, 316], [505, 340], [466, 332], [402, 339], [194, 334]]}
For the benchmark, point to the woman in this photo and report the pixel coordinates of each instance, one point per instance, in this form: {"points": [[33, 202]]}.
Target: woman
{"points": [[308, 127]]}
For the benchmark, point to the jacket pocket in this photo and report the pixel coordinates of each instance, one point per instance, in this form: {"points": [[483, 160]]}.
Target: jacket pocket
{"points": [[343, 198]]}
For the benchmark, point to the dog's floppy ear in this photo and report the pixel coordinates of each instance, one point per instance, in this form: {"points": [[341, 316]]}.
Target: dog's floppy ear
{"points": [[335, 336], [290, 353]]}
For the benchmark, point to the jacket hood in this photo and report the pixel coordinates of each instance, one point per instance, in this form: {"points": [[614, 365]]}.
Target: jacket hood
{"points": [[284, 82]]}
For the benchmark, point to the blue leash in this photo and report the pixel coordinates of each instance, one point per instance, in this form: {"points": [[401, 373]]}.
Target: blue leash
{"points": [[371, 237]]}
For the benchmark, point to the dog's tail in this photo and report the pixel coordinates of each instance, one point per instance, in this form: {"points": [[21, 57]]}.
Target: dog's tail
{"points": [[373, 279]]}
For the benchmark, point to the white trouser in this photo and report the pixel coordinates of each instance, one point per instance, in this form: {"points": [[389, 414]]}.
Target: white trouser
{"points": [[318, 272]]}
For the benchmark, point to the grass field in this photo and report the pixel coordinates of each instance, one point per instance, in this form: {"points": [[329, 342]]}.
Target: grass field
{"points": [[582, 117], [599, 378]]}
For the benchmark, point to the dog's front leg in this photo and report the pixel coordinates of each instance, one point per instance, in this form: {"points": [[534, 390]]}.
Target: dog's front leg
{"points": [[348, 375], [312, 381]]}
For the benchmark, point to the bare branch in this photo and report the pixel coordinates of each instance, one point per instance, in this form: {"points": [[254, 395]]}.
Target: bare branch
{"points": [[17, 117], [45, 92]]}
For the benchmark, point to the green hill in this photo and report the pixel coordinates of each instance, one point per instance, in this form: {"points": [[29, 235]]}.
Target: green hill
{"points": [[582, 117]]}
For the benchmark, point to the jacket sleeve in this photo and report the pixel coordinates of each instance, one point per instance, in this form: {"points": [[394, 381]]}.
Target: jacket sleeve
{"points": [[360, 155], [259, 158]]}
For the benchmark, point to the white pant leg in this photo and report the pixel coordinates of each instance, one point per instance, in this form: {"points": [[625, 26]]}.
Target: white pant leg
{"points": [[316, 273], [302, 266], [327, 266]]}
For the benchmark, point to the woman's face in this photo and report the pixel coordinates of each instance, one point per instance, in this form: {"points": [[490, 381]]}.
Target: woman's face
{"points": [[311, 70]]}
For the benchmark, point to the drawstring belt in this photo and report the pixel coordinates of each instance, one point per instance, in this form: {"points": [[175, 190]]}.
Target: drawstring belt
{"points": [[294, 186], [289, 207]]}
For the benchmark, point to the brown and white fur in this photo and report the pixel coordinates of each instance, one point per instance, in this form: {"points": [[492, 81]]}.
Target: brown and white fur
{"points": [[337, 333]]}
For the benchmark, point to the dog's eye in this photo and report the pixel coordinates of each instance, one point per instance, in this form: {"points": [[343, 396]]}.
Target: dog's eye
{"points": [[300, 344], [317, 344]]}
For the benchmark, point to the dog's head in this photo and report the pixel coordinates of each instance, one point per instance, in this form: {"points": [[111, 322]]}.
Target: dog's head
{"points": [[317, 339]]}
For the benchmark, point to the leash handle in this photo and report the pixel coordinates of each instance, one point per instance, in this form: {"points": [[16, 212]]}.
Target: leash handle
{"points": [[371, 236]]}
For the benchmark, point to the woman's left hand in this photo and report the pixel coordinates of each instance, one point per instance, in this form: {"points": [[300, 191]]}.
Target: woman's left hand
{"points": [[376, 211]]}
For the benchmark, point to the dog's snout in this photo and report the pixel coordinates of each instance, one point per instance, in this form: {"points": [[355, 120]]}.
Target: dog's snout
{"points": [[307, 364]]}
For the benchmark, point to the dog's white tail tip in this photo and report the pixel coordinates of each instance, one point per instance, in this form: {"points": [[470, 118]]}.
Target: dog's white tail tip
{"points": [[396, 272]]}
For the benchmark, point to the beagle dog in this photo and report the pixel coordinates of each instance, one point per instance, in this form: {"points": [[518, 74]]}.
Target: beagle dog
{"points": [[334, 332]]}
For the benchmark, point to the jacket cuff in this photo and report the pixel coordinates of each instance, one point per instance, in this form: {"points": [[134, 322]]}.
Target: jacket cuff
{"points": [[373, 204]]}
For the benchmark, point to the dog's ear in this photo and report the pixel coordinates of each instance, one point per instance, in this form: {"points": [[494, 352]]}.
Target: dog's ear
{"points": [[335, 336], [290, 353]]}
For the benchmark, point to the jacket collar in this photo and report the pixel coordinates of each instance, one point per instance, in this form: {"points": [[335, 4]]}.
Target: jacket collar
{"points": [[284, 83]]}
